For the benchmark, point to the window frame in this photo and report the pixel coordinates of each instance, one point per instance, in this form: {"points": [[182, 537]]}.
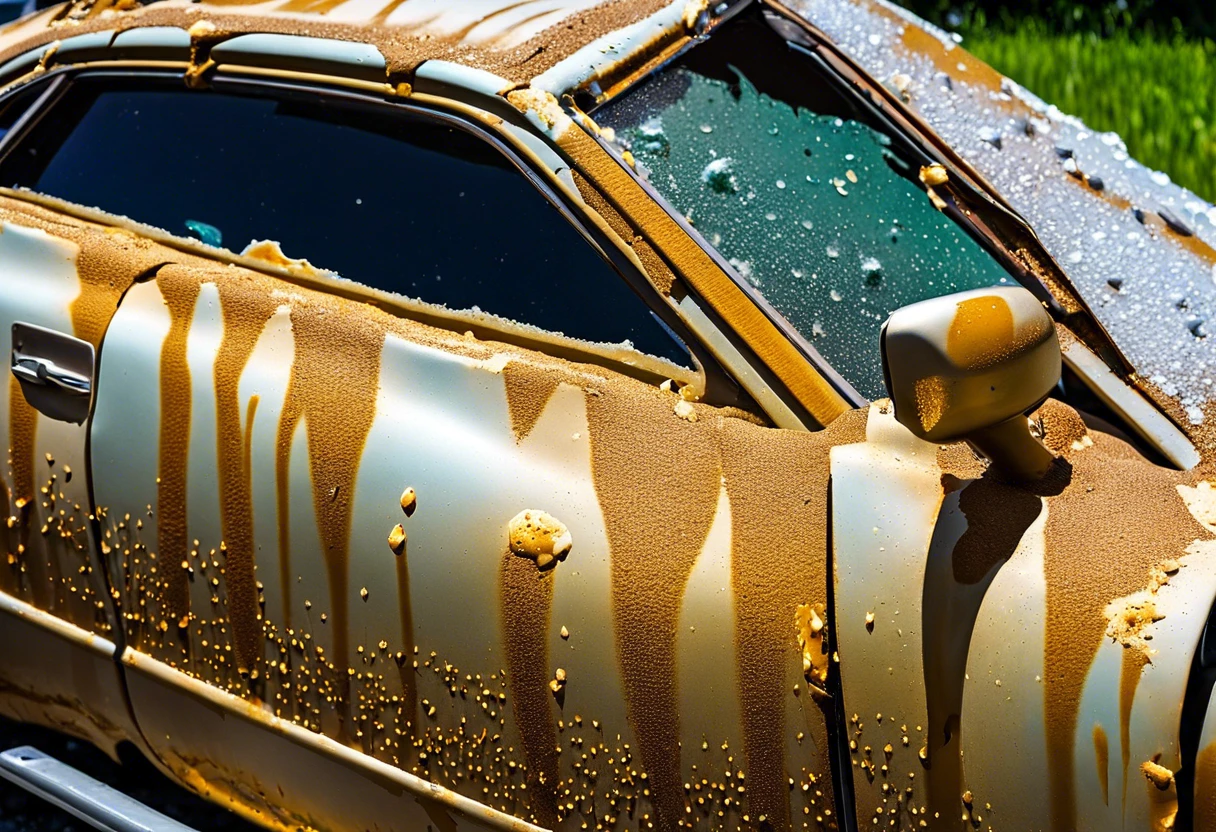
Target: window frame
{"points": [[715, 377]]}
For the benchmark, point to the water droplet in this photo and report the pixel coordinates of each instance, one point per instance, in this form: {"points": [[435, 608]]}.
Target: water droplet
{"points": [[781, 184], [770, 216], [705, 128]]}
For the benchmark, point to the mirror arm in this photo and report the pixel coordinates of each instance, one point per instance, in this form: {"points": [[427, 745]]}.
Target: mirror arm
{"points": [[1013, 449]]}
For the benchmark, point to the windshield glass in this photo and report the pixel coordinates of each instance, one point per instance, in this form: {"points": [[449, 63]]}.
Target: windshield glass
{"points": [[812, 208]]}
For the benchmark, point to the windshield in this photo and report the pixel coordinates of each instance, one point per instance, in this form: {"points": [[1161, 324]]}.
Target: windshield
{"points": [[811, 206]]}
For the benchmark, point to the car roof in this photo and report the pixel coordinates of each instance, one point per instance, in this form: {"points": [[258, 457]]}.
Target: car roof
{"points": [[516, 40]]}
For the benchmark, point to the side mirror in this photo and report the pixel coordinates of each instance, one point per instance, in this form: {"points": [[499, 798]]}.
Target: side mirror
{"points": [[969, 366]]}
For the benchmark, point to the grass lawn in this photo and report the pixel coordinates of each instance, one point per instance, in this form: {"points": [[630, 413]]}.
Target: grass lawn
{"points": [[1160, 96]]}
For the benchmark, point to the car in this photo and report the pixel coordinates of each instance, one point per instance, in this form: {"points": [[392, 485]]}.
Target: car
{"points": [[609, 414]]}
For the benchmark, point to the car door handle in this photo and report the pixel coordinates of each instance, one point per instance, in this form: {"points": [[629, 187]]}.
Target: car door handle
{"points": [[55, 371], [45, 372]]}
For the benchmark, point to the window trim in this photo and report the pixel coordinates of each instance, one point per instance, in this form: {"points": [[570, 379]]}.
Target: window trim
{"points": [[707, 370]]}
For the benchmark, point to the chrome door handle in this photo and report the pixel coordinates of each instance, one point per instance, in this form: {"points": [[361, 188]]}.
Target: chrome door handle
{"points": [[45, 372], [55, 371]]}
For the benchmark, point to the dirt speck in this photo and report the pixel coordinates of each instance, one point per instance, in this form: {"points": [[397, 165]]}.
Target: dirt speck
{"points": [[409, 501], [540, 536], [1157, 774], [396, 540]]}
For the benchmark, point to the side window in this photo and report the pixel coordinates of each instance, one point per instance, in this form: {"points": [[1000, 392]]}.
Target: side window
{"points": [[14, 106], [380, 195], [810, 204]]}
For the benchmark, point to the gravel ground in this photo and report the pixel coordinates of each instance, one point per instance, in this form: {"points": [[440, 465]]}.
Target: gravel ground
{"points": [[22, 812]]}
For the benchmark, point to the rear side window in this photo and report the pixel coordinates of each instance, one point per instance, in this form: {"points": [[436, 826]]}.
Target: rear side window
{"points": [[382, 196]]}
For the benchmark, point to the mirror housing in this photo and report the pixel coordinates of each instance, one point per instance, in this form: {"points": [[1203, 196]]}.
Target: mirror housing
{"points": [[969, 366]]}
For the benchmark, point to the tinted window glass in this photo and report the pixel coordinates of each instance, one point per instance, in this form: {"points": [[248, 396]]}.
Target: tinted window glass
{"points": [[815, 209], [391, 200], [15, 105]]}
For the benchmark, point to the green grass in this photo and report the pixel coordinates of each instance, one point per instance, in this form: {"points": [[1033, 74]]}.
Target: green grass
{"points": [[1160, 96]]}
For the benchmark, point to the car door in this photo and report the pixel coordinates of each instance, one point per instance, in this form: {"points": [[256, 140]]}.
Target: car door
{"points": [[60, 282], [385, 564]]}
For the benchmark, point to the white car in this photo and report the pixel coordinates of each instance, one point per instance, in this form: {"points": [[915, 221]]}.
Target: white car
{"points": [[571, 414]]}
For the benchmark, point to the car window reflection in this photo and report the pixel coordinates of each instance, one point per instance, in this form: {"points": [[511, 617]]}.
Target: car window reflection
{"points": [[395, 201]]}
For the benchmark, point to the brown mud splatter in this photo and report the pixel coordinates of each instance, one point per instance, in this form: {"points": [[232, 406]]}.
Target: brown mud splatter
{"points": [[979, 324], [525, 599], [1094, 555], [335, 379], [180, 295], [105, 273], [658, 480], [245, 315], [1102, 759], [529, 389], [778, 560], [659, 273], [1133, 664], [282, 493]]}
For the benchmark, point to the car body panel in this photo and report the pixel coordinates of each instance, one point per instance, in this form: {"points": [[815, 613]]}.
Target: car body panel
{"points": [[61, 676], [1032, 671], [458, 420], [69, 281], [279, 775], [886, 493]]}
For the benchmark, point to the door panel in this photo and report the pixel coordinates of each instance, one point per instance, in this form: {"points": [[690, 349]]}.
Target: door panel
{"points": [[65, 275], [39, 284], [674, 617]]}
